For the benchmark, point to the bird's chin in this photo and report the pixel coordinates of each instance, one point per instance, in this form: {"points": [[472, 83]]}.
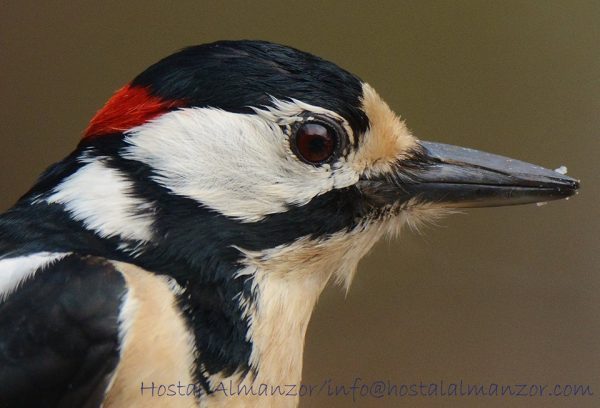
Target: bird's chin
{"points": [[414, 214]]}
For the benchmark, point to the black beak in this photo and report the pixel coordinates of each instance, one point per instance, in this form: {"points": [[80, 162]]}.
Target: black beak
{"points": [[455, 177]]}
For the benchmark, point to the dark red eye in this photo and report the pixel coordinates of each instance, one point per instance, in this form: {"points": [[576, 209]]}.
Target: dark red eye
{"points": [[315, 143]]}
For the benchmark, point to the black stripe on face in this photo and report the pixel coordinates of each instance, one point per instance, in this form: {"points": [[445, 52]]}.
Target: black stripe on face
{"points": [[234, 75], [194, 244], [188, 224]]}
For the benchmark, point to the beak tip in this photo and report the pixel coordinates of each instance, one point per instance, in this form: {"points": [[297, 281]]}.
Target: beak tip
{"points": [[571, 185], [561, 188]]}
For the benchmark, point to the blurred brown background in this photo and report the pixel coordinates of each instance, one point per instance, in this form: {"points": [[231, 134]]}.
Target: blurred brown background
{"points": [[509, 295]]}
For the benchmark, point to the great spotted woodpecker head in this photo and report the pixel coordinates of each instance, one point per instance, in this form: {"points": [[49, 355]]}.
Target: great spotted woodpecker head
{"points": [[252, 173]]}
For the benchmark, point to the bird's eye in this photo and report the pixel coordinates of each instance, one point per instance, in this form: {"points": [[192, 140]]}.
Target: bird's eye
{"points": [[315, 143]]}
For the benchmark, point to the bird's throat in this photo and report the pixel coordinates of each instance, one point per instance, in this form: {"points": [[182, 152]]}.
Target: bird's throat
{"points": [[279, 317]]}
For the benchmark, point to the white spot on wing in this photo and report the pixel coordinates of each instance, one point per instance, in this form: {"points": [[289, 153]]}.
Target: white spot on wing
{"points": [[15, 271]]}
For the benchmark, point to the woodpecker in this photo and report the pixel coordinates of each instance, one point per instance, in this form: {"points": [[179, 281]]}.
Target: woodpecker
{"points": [[184, 242]]}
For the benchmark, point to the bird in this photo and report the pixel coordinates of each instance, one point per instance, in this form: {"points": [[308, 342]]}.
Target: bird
{"points": [[177, 253]]}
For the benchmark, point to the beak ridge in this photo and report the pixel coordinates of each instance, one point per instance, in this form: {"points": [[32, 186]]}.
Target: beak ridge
{"points": [[458, 177]]}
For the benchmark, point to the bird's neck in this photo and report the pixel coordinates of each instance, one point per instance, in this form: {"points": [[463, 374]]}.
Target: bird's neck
{"points": [[286, 284], [279, 316], [249, 289]]}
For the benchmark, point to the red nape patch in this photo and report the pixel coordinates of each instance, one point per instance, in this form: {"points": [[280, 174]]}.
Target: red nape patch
{"points": [[129, 107]]}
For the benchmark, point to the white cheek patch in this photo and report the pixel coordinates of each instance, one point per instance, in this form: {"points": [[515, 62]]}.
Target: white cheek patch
{"points": [[237, 164], [100, 197], [15, 271]]}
